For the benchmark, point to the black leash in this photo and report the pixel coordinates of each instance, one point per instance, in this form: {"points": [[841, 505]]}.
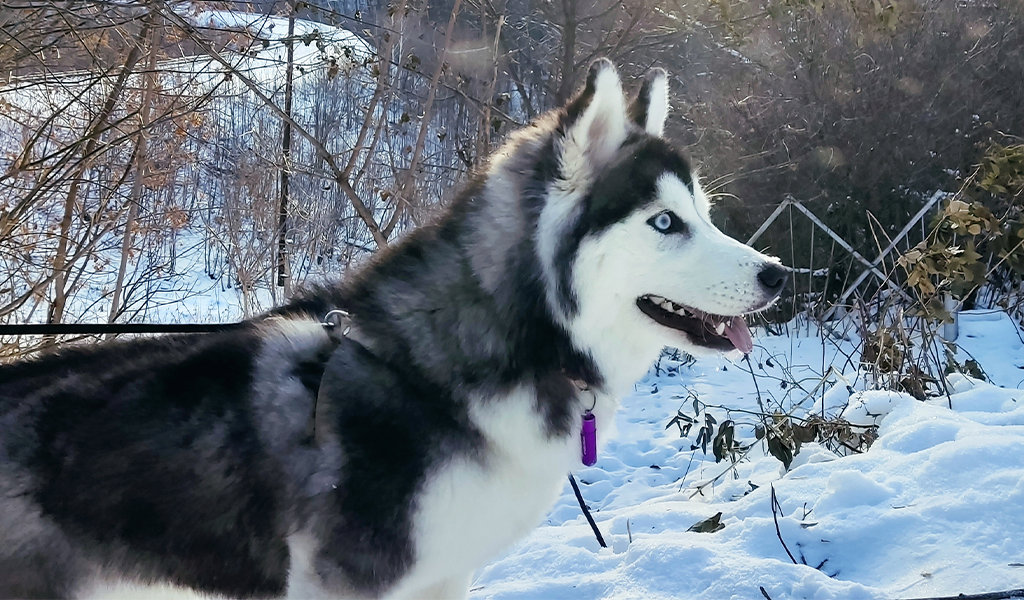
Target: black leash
{"points": [[335, 317], [586, 511], [103, 328]]}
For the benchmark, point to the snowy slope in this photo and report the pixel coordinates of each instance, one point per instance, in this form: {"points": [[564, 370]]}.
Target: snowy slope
{"points": [[933, 508]]}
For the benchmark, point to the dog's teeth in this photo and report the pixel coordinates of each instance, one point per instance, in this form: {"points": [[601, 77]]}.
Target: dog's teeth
{"points": [[666, 305], [656, 299], [720, 328]]}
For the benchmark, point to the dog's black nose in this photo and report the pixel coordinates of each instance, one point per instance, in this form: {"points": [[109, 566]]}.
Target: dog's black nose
{"points": [[773, 277]]}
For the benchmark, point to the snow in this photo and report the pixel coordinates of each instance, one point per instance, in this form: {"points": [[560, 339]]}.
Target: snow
{"points": [[931, 509], [984, 336], [337, 42]]}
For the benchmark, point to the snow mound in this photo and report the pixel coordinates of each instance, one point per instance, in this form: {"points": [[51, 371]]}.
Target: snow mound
{"points": [[932, 509]]}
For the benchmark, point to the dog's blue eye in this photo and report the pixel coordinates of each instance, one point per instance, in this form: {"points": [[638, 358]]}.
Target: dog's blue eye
{"points": [[667, 222]]}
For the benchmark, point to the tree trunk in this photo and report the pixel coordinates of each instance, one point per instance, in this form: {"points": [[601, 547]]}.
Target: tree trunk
{"points": [[485, 133], [286, 157], [568, 71], [61, 265], [408, 185], [141, 164]]}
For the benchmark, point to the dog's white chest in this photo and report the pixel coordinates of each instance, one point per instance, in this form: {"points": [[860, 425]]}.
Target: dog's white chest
{"points": [[472, 509]]}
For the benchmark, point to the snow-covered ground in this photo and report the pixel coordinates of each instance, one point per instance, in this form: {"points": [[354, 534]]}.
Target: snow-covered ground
{"points": [[934, 508]]}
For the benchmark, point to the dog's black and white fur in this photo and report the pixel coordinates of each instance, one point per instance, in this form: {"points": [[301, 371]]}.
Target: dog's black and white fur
{"points": [[394, 457]]}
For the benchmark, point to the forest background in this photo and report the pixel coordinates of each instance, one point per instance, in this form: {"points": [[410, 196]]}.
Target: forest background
{"points": [[196, 161]]}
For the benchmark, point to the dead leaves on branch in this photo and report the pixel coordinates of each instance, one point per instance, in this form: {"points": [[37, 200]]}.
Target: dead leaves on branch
{"points": [[783, 434], [786, 435], [968, 242]]}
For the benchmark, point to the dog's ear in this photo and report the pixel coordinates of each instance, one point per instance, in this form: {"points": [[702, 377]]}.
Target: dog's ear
{"points": [[650, 107], [596, 121]]}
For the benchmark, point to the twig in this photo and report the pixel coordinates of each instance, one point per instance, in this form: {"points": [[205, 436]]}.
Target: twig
{"points": [[700, 488], [757, 389], [764, 592], [778, 532], [682, 480], [1004, 595]]}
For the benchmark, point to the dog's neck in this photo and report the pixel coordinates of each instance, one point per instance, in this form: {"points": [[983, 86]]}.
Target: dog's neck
{"points": [[505, 329]]}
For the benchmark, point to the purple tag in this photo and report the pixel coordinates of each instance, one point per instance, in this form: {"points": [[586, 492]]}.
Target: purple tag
{"points": [[588, 439]]}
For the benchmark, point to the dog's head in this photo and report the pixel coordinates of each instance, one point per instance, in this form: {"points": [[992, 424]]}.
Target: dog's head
{"points": [[631, 259]]}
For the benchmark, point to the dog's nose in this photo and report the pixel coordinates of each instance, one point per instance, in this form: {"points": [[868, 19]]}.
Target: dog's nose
{"points": [[773, 277]]}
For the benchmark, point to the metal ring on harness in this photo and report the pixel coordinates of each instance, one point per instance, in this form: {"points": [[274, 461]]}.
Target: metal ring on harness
{"points": [[336, 318]]}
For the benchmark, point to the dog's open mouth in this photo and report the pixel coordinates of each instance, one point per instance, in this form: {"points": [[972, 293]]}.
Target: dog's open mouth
{"points": [[705, 329]]}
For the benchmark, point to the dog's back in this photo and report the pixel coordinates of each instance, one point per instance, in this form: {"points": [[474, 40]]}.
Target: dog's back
{"points": [[140, 457]]}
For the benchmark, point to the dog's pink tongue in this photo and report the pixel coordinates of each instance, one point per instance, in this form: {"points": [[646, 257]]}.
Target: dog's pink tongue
{"points": [[739, 334]]}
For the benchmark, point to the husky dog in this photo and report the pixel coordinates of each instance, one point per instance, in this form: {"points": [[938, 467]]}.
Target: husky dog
{"points": [[392, 455]]}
